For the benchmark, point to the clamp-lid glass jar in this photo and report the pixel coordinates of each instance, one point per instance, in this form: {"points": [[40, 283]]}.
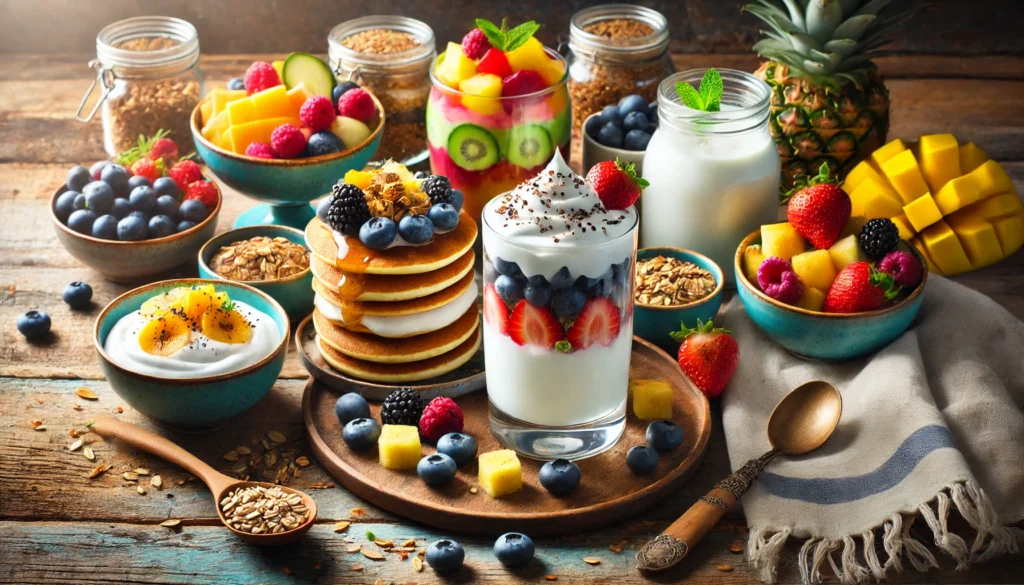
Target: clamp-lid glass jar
{"points": [[147, 69], [617, 50], [391, 57]]}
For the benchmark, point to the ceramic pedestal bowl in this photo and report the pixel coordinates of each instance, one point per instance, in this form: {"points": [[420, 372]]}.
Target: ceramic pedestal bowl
{"points": [[655, 323], [827, 336], [284, 186]]}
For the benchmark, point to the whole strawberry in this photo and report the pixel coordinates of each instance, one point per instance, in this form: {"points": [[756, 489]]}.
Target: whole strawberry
{"points": [[859, 287], [819, 210], [708, 356], [616, 183], [145, 167], [184, 173], [440, 417], [204, 191], [163, 149]]}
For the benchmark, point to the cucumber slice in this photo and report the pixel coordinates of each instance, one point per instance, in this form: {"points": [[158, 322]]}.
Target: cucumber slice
{"points": [[305, 68]]}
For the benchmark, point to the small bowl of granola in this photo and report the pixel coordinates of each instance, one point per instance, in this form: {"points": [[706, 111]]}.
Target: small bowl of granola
{"points": [[270, 258], [673, 286]]}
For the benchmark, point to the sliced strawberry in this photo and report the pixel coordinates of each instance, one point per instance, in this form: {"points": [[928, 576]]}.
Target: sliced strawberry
{"points": [[598, 323], [531, 325], [494, 62], [495, 311]]}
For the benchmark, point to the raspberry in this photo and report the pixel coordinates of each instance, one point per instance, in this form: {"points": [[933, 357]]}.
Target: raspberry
{"points": [[317, 113], [204, 191], [163, 148], [287, 141], [356, 103], [522, 83], [147, 168], [259, 150], [904, 268], [260, 76], [440, 417], [185, 173], [475, 44], [778, 280]]}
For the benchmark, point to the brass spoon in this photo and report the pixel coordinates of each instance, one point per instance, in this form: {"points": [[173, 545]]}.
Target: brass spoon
{"points": [[801, 422], [220, 485]]}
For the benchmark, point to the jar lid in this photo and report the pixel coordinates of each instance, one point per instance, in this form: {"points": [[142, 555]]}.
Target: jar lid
{"points": [[148, 41], [339, 54], [635, 45]]}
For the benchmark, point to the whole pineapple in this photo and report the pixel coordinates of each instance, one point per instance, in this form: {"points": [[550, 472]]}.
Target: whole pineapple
{"points": [[828, 104]]}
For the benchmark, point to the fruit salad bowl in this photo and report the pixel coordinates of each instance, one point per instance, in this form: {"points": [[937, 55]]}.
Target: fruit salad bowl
{"points": [[285, 186], [827, 336]]}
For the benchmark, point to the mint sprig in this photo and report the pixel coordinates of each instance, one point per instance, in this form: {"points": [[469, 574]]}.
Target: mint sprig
{"points": [[506, 40], [708, 98]]}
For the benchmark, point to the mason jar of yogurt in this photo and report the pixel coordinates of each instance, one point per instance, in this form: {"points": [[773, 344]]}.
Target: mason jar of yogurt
{"points": [[558, 315], [714, 175]]}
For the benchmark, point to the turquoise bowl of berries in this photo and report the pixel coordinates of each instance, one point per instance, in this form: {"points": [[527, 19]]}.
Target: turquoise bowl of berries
{"points": [[829, 336], [656, 323], [294, 292]]}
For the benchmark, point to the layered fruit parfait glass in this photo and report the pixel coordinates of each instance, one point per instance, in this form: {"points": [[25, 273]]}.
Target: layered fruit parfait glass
{"points": [[498, 110], [558, 322]]}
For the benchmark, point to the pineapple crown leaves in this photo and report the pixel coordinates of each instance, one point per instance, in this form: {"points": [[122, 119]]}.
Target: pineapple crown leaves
{"points": [[629, 169], [803, 181], [706, 99], [506, 40], [141, 149], [701, 327], [885, 282]]}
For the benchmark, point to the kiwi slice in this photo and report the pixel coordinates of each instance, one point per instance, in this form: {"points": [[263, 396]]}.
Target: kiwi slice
{"points": [[529, 146], [472, 148]]}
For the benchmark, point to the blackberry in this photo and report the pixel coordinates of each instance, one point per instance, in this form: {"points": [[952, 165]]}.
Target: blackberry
{"points": [[878, 237], [402, 407], [347, 211], [438, 188]]}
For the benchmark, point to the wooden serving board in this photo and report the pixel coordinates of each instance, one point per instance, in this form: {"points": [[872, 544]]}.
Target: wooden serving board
{"points": [[608, 493]]}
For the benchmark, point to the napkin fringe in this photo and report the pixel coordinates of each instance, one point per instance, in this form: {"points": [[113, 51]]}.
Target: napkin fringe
{"points": [[992, 539]]}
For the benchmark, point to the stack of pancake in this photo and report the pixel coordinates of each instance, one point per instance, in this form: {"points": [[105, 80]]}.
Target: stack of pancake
{"points": [[404, 314]]}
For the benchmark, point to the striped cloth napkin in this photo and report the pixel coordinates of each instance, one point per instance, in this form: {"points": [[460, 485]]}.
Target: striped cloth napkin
{"points": [[932, 424]]}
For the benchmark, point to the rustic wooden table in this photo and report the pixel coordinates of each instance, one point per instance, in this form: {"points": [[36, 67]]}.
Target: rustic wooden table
{"points": [[59, 526]]}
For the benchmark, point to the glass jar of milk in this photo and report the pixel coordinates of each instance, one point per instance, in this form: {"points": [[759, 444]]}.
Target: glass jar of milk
{"points": [[714, 176]]}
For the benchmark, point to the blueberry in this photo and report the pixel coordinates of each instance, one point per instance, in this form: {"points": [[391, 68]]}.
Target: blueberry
{"points": [[79, 202], [96, 170], [34, 324], [78, 295], [507, 268], [64, 205], [416, 229], [632, 103], [444, 216], [138, 181], [568, 302], [81, 221], [78, 177], [185, 225], [116, 177], [323, 206], [132, 228], [652, 113], [340, 89], [167, 186], [562, 278], [378, 233], [509, 289], [513, 549], [611, 115], [538, 295], [635, 121], [593, 126], [143, 199], [610, 136], [98, 189], [99, 201], [642, 459], [105, 227], [664, 435], [121, 208], [459, 446], [636, 140], [419, 175], [167, 205], [361, 433], [560, 476], [351, 406], [321, 143], [437, 469], [445, 556], [161, 226], [141, 215], [236, 84], [192, 210], [457, 199]]}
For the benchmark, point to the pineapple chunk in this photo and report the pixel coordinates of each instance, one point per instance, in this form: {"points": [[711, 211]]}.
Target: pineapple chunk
{"points": [[752, 259], [815, 269], [872, 199], [399, 446], [781, 240], [978, 239], [919, 246], [529, 55], [241, 112], [907, 231], [956, 194], [500, 472], [940, 159], [993, 207], [922, 212], [811, 299], [1010, 231], [205, 111], [971, 157], [215, 126], [220, 98], [888, 151], [652, 399], [990, 179], [479, 93], [361, 179], [846, 251], [905, 176], [944, 249], [861, 172], [455, 66]]}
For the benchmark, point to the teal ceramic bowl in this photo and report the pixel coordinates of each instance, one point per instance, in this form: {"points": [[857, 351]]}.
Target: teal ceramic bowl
{"points": [[286, 186], [655, 323], [202, 402], [294, 293], [826, 336]]}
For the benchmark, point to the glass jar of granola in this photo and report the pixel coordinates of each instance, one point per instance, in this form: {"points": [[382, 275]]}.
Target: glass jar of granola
{"points": [[147, 73], [617, 50], [391, 57]]}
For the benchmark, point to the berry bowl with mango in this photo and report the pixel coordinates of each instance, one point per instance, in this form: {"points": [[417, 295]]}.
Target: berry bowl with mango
{"points": [[825, 284], [284, 133]]}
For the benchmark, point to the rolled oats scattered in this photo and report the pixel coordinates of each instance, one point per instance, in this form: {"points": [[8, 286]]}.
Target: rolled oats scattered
{"points": [[276, 437], [98, 470], [670, 282], [76, 445], [417, 564], [341, 526], [260, 259], [89, 453], [156, 481], [86, 394], [170, 523], [141, 490]]}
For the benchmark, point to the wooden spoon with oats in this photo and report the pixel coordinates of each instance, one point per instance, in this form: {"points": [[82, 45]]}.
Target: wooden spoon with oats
{"points": [[261, 513]]}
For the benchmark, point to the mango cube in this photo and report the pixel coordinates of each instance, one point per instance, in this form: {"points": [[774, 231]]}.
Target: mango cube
{"points": [[220, 98], [940, 159], [455, 66], [978, 239], [811, 299], [872, 199], [205, 111], [215, 126], [957, 194], [993, 207], [922, 212], [500, 472], [752, 259], [905, 176], [273, 102], [990, 179], [919, 246], [846, 251], [1010, 231], [944, 249], [907, 231], [864, 170], [652, 399], [529, 55], [399, 447], [480, 91], [298, 95], [884, 153], [971, 157], [781, 240], [242, 135], [241, 112], [815, 268]]}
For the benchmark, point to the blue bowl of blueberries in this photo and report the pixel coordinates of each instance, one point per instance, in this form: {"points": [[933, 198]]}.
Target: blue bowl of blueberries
{"points": [[620, 131], [128, 227]]}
